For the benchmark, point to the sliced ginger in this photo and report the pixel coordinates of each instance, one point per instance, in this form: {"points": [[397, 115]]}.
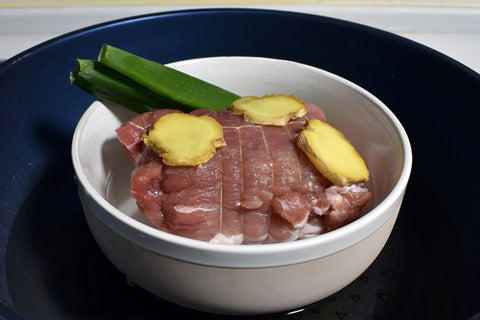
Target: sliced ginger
{"points": [[275, 109], [332, 154], [185, 140]]}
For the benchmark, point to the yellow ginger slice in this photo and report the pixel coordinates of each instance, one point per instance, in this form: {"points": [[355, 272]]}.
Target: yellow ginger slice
{"points": [[275, 109], [332, 154], [185, 140]]}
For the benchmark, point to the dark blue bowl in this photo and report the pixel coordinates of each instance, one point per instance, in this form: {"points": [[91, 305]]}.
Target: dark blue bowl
{"points": [[50, 266]]}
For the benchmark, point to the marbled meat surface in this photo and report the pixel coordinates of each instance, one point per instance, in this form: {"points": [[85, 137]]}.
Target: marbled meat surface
{"points": [[259, 188]]}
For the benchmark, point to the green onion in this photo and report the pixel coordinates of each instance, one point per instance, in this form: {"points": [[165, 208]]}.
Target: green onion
{"points": [[105, 83], [165, 81]]}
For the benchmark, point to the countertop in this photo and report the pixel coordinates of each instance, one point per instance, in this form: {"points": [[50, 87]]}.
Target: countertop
{"points": [[452, 28]]}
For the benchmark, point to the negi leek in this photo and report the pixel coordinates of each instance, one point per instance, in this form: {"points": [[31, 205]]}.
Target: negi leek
{"points": [[107, 84], [168, 82]]}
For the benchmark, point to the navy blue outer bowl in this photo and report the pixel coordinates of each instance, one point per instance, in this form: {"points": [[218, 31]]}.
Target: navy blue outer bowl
{"points": [[50, 266]]}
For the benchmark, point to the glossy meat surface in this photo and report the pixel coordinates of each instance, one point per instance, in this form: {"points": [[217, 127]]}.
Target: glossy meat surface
{"points": [[259, 188]]}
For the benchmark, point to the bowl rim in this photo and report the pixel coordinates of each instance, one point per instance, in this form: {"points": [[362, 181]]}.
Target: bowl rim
{"points": [[254, 255]]}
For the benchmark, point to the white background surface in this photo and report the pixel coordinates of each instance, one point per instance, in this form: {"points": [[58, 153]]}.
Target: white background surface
{"points": [[451, 29]]}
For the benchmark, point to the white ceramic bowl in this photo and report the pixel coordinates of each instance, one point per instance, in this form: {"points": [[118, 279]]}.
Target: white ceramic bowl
{"points": [[245, 279]]}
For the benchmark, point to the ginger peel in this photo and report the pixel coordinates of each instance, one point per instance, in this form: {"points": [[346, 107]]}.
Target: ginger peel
{"points": [[184, 140], [332, 154], [277, 109]]}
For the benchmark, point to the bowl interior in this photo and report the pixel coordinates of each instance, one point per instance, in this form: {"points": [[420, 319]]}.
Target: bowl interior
{"points": [[364, 120]]}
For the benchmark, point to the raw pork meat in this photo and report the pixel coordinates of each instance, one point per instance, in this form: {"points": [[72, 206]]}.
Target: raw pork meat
{"points": [[259, 188]]}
